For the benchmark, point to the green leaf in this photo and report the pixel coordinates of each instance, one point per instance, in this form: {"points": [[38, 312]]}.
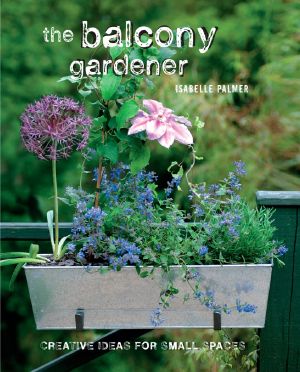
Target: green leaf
{"points": [[64, 200], [144, 274], [179, 173], [98, 122], [70, 78], [103, 270], [198, 123], [109, 84], [165, 53], [116, 51], [61, 249], [33, 250], [136, 53], [123, 136], [14, 261], [33, 253], [173, 164], [84, 93], [151, 52], [109, 150], [139, 157], [149, 83], [112, 123], [163, 259], [128, 110], [13, 278], [50, 227], [5, 255]]}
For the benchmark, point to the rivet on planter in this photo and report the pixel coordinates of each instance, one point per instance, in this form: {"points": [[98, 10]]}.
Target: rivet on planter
{"points": [[79, 319], [217, 321]]}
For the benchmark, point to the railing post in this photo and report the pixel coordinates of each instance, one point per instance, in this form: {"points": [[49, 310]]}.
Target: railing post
{"points": [[280, 345]]}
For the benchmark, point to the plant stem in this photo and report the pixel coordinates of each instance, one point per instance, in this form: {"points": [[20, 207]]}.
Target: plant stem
{"points": [[99, 179], [100, 174], [55, 209], [189, 170], [81, 173]]}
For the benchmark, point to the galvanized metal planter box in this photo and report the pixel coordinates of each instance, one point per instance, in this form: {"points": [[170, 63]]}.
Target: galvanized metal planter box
{"points": [[123, 300]]}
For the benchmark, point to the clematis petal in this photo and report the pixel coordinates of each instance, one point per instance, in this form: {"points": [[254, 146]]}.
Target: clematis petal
{"points": [[167, 112], [167, 139], [155, 129], [139, 123], [182, 134], [139, 117], [182, 120], [153, 106]]}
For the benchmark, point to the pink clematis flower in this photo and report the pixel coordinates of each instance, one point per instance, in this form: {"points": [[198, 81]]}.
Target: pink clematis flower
{"points": [[161, 124]]}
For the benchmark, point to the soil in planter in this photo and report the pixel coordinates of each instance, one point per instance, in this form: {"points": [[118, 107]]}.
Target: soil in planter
{"points": [[69, 260]]}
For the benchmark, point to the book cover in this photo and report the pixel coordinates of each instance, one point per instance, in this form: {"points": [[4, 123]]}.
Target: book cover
{"points": [[142, 144]]}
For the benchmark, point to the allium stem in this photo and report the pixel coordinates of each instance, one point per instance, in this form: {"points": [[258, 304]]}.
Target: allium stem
{"points": [[55, 209]]}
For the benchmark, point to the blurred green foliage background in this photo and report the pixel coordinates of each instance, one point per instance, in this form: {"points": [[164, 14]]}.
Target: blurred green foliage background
{"points": [[257, 44]]}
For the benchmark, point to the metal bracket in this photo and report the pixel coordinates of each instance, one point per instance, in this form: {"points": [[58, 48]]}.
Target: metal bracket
{"points": [[217, 321], [79, 319]]}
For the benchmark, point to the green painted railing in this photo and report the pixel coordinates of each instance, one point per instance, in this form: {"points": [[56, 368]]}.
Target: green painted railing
{"points": [[280, 339]]}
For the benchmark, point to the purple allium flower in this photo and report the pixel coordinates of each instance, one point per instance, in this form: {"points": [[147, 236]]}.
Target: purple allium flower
{"points": [[53, 127], [203, 250], [281, 251]]}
